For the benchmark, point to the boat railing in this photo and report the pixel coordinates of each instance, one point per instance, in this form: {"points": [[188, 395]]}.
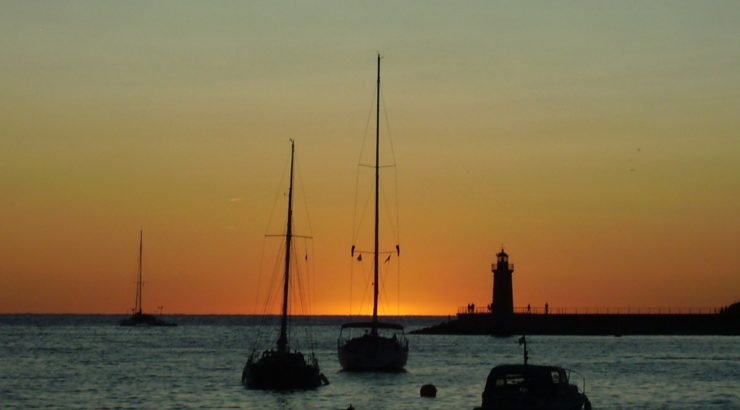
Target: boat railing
{"points": [[578, 310], [582, 387]]}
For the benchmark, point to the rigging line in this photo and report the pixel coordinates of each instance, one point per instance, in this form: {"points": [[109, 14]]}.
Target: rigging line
{"points": [[367, 124], [359, 160], [304, 280], [296, 297], [398, 285], [388, 217], [363, 218], [393, 155], [312, 292], [269, 288], [259, 277], [311, 274], [272, 290], [356, 226], [362, 296], [354, 208], [305, 294], [398, 242], [273, 286], [398, 208], [267, 228], [301, 282], [269, 223], [385, 300], [277, 195], [388, 126], [367, 271], [297, 286], [302, 277], [304, 197]]}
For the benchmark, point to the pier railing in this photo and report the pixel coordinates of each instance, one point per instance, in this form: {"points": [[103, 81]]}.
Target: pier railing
{"points": [[557, 310]]}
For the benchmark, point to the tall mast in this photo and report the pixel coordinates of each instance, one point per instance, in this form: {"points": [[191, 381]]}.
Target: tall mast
{"points": [[377, 185], [283, 340], [137, 309]]}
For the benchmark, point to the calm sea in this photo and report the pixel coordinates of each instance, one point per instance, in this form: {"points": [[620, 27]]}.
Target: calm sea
{"points": [[72, 361]]}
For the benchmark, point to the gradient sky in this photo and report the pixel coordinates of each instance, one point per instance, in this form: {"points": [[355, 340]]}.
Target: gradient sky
{"points": [[597, 141]]}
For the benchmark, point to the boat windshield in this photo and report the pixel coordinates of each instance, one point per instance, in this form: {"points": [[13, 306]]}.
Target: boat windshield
{"points": [[522, 378], [509, 381]]}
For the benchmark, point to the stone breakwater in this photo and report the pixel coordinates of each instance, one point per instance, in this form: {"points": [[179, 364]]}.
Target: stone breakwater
{"points": [[588, 324]]}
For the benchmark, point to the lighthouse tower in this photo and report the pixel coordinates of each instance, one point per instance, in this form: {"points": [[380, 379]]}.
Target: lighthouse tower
{"points": [[503, 295]]}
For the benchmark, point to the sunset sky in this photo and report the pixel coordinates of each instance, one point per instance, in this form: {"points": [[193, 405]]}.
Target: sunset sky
{"points": [[598, 142]]}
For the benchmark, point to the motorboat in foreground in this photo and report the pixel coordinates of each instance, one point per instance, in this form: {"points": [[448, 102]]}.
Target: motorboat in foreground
{"points": [[525, 386]]}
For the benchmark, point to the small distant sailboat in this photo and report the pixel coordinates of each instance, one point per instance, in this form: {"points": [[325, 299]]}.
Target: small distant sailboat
{"points": [[281, 368], [138, 317], [383, 347]]}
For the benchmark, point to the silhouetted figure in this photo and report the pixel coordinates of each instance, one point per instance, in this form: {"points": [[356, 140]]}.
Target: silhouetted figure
{"points": [[529, 308], [547, 308], [472, 308], [428, 390]]}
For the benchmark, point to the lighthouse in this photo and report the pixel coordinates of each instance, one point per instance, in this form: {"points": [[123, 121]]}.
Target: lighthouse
{"points": [[503, 294]]}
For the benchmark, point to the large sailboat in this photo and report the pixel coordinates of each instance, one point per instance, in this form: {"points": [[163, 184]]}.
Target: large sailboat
{"points": [[382, 346], [280, 368], [138, 317]]}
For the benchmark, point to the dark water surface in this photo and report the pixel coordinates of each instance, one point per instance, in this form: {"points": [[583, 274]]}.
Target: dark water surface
{"points": [[79, 361]]}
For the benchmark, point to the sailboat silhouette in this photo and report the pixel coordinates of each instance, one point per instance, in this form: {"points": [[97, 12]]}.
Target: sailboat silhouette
{"points": [[374, 350], [281, 368]]}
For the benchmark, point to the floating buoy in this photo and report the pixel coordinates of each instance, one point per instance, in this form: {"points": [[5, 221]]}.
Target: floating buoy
{"points": [[428, 390]]}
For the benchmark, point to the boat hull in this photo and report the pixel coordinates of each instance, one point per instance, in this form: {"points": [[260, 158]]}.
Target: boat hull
{"points": [[373, 353], [143, 319], [282, 371], [538, 403]]}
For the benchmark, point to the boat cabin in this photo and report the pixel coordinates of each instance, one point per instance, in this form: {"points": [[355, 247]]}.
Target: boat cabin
{"points": [[390, 331], [520, 386], [380, 347]]}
